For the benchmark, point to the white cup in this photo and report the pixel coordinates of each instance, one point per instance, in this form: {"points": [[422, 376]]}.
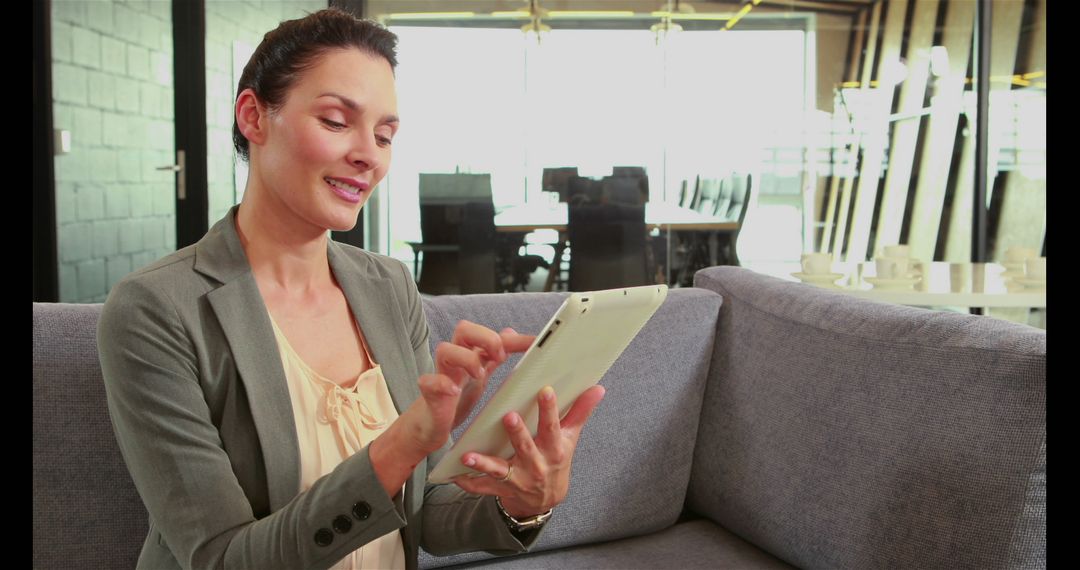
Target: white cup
{"points": [[1017, 254], [897, 251], [1035, 267], [892, 267], [816, 263]]}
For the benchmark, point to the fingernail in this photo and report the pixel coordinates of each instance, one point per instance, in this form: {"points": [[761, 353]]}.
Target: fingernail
{"points": [[512, 419], [547, 393], [502, 354], [455, 389], [470, 461]]}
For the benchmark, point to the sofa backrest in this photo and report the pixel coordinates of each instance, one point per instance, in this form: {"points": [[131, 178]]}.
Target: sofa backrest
{"points": [[87, 513], [840, 432], [629, 476], [632, 464]]}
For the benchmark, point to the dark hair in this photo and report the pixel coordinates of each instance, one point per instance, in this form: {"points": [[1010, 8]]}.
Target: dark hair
{"points": [[294, 47]]}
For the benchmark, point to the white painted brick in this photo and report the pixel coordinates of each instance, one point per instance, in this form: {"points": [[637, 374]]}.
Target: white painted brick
{"points": [[73, 242], [86, 47], [149, 99], [130, 236], [61, 41], [69, 84], [150, 29], [141, 205], [99, 16], [116, 268], [70, 11], [142, 259], [165, 199], [69, 283], [114, 131], [89, 202], [91, 278], [218, 55], [127, 95], [138, 62], [103, 165], [128, 166], [63, 116], [167, 110], [72, 167], [113, 56], [161, 67], [87, 127], [153, 233], [65, 202], [162, 10], [117, 201], [126, 22], [160, 135], [106, 238], [102, 89]]}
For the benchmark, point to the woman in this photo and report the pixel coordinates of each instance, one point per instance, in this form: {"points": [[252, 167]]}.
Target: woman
{"points": [[272, 391]]}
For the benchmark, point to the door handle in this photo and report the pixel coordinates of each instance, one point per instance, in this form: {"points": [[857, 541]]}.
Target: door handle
{"points": [[181, 192]]}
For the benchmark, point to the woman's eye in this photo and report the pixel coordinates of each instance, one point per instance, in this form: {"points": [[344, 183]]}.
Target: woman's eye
{"points": [[333, 124], [383, 141]]}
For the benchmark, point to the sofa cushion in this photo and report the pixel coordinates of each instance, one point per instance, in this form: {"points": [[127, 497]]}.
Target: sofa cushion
{"points": [[87, 513], [633, 459], [693, 544], [841, 432]]}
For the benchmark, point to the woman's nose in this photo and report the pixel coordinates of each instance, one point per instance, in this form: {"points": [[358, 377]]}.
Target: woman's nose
{"points": [[364, 153]]}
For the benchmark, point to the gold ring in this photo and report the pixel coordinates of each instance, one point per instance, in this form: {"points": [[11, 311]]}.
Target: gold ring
{"points": [[509, 473]]}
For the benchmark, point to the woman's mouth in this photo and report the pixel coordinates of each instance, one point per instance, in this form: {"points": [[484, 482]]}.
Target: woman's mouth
{"points": [[346, 191]]}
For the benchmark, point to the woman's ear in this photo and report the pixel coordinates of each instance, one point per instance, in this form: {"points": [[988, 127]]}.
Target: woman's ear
{"points": [[251, 116]]}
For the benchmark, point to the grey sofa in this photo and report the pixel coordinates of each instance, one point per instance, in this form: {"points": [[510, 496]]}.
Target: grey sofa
{"points": [[754, 423]]}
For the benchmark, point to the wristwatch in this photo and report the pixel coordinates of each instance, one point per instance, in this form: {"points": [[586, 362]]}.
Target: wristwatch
{"points": [[520, 525]]}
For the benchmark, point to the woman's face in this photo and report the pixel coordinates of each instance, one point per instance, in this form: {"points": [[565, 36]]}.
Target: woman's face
{"points": [[328, 146]]}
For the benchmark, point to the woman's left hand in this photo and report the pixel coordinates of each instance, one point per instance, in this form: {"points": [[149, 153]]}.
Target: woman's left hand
{"points": [[537, 477]]}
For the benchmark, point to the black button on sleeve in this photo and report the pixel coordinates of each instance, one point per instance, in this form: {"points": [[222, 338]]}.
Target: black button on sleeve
{"points": [[323, 537], [361, 510], [342, 524]]}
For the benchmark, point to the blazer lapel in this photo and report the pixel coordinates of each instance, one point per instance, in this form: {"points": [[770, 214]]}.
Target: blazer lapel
{"points": [[245, 320], [374, 304]]}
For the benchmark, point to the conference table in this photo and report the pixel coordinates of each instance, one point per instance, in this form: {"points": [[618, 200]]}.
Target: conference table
{"points": [[661, 216]]}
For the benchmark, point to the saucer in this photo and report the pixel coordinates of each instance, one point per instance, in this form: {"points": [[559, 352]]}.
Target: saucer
{"points": [[818, 278], [903, 284], [1031, 284]]}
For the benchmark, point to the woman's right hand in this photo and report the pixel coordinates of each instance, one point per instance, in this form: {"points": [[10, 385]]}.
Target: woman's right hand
{"points": [[462, 366]]}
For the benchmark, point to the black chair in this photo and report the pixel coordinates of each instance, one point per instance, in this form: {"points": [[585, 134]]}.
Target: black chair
{"points": [[558, 180], [607, 246], [457, 226], [583, 190], [637, 173], [621, 190], [699, 249]]}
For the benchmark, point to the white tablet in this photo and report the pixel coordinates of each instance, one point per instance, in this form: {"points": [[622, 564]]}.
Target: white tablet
{"points": [[572, 352]]}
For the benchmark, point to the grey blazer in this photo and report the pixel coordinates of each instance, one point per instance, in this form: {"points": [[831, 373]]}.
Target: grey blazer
{"points": [[201, 410]]}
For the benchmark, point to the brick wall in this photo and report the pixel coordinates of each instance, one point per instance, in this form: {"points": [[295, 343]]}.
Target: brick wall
{"points": [[113, 90]]}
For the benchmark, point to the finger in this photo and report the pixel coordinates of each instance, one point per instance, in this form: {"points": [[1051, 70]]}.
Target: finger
{"points": [[514, 341], [581, 410], [521, 439], [479, 485], [458, 361], [438, 386], [470, 334], [548, 432], [495, 468]]}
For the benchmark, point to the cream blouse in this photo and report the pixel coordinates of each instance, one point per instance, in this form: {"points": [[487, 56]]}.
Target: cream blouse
{"points": [[334, 422]]}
